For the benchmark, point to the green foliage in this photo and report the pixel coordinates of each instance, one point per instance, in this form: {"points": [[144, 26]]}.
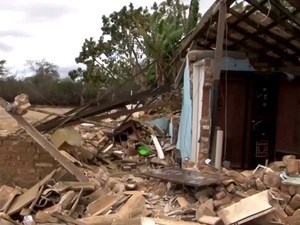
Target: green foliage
{"points": [[42, 71], [44, 87], [193, 15], [136, 43]]}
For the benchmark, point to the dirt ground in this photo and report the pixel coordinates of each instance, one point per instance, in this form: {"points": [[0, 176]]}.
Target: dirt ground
{"points": [[7, 124]]}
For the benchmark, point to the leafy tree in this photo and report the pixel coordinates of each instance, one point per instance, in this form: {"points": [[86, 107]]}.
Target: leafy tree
{"points": [[136, 43], [43, 69], [194, 15]]}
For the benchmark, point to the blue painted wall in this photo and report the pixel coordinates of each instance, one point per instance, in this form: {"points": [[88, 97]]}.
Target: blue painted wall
{"points": [[184, 142]]}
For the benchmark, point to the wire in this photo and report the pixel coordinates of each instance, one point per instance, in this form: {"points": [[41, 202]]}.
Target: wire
{"points": [[269, 11], [226, 91]]}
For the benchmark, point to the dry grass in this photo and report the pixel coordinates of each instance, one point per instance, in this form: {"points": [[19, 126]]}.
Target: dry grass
{"points": [[9, 124]]}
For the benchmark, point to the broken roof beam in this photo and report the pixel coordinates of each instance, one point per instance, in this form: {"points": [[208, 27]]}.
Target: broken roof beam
{"points": [[184, 177], [285, 12], [96, 110], [274, 16], [45, 144], [262, 30], [263, 42], [208, 18], [247, 14]]}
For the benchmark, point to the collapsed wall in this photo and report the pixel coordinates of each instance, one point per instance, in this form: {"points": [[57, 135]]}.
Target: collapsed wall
{"points": [[22, 161]]}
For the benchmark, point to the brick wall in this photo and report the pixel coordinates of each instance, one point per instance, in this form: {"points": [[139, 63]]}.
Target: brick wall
{"points": [[22, 161]]}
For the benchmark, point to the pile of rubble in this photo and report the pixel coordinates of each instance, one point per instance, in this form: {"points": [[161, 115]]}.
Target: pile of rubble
{"points": [[128, 171]]}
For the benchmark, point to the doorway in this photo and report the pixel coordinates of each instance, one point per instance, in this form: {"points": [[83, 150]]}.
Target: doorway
{"points": [[247, 111]]}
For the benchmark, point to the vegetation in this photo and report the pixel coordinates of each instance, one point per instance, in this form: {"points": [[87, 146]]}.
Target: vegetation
{"points": [[44, 86], [137, 43], [3, 71], [135, 49]]}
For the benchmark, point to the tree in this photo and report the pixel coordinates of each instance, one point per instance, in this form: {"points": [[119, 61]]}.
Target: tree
{"points": [[43, 69], [45, 75], [136, 43], [194, 15], [3, 71]]}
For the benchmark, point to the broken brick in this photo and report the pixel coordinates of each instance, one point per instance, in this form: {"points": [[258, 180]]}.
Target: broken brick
{"points": [[295, 202]]}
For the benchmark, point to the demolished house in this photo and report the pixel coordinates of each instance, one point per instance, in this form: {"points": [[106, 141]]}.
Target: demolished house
{"points": [[248, 90], [103, 164]]}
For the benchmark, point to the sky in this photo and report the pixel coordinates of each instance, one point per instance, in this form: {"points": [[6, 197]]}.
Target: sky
{"points": [[54, 30]]}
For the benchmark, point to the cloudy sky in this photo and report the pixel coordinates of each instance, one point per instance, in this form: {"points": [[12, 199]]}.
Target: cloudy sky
{"points": [[54, 29]]}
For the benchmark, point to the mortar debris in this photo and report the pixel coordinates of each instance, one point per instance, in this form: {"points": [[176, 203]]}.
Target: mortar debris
{"points": [[135, 175]]}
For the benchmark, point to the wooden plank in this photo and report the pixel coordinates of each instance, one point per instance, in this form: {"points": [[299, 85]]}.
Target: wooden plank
{"points": [[101, 205], [104, 107], [243, 211], [28, 196], [47, 145], [217, 64], [133, 207], [184, 177], [220, 40], [160, 221], [160, 152], [211, 220]]}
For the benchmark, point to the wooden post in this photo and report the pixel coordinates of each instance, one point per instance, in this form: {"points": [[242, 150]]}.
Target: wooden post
{"points": [[218, 63], [219, 149]]}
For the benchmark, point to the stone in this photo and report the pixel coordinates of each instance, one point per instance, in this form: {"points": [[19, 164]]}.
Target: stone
{"points": [[239, 178], [220, 195], [295, 202], [206, 209], [286, 158], [223, 201], [260, 185], [297, 212], [272, 180], [292, 167], [284, 188], [231, 188], [289, 210], [292, 190], [204, 194]]}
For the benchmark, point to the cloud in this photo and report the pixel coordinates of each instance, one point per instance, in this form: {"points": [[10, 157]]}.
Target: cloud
{"points": [[5, 47], [37, 11], [44, 12], [13, 33], [64, 70]]}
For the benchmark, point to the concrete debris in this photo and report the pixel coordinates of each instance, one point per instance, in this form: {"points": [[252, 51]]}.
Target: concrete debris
{"points": [[133, 174]]}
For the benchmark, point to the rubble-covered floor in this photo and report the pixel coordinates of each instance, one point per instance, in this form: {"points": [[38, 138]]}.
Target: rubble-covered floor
{"points": [[134, 175]]}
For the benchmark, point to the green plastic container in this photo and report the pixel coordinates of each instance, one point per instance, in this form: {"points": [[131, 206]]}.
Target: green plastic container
{"points": [[143, 150]]}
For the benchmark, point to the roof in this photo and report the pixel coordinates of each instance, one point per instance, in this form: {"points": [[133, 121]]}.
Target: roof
{"points": [[267, 30]]}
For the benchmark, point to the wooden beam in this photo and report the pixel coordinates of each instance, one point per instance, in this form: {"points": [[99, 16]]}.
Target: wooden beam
{"points": [[262, 30], [250, 49], [45, 144], [217, 66], [285, 12], [247, 14], [274, 16], [220, 40], [264, 43], [208, 18], [104, 107]]}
